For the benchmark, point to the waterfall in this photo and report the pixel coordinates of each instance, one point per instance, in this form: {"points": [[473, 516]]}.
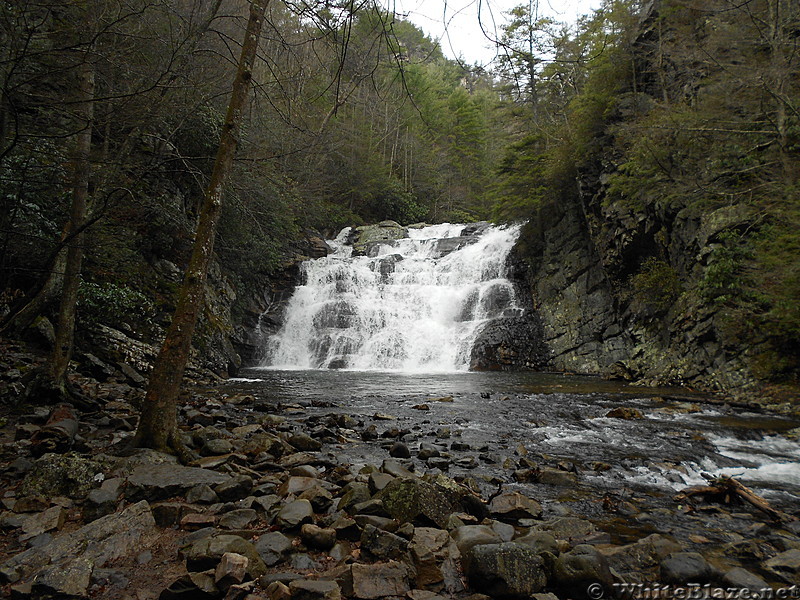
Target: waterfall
{"points": [[415, 304]]}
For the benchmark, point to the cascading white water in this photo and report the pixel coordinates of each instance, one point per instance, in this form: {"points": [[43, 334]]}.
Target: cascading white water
{"points": [[415, 305]]}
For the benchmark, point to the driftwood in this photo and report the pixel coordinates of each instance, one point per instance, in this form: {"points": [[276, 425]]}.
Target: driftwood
{"points": [[725, 489], [58, 434]]}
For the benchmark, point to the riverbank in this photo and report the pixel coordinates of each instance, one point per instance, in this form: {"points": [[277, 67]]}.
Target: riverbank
{"points": [[391, 491]]}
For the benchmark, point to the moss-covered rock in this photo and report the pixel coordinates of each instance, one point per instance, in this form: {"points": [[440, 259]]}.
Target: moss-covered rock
{"points": [[68, 474]]}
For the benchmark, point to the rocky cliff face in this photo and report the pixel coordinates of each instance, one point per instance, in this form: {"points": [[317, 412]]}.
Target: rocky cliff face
{"points": [[601, 315]]}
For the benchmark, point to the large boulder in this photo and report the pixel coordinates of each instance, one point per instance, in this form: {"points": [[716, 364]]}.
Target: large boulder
{"points": [[158, 482], [436, 560], [415, 500], [506, 570], [62, 565], [575, 571], [365, 236], [67, 474]]}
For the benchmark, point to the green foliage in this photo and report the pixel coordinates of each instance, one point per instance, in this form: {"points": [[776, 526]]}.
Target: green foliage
{"points": [[114, 305], [394, 203], [656, 286], [724, 279], [523, 180]]}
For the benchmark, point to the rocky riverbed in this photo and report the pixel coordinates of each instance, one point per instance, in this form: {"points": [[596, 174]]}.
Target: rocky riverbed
{"points": [[376, 487]]}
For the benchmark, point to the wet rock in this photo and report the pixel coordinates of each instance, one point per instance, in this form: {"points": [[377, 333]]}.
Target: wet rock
{"points": [[158, 482], [511, 506], [310, 589], [273, 547], [369, 433], [99, 542], [468, 536], [399, 450], [382, 545], [686, 567], [568, 528], [207, 552], [304, 471], [317, 537], [539, 542], [427, 451], [574, 571], [304, 442], [396, 469], [379, 580], [295, 513], [642, 556], [625, 412], [506, 570], [409, 500], [437, 560], [238, 519], [744, 580], [785, 566], [555, 477]]}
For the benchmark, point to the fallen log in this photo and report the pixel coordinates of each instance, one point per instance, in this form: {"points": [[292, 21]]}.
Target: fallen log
{"points": [[725, 489], [58, 433]]}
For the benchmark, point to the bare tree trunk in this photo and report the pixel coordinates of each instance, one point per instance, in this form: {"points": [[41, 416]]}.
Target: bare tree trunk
{"points": [[158, 424], [65, 325]]}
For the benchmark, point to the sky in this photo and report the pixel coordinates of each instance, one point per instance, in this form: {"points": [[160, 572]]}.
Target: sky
{"points": [[456, 25]]}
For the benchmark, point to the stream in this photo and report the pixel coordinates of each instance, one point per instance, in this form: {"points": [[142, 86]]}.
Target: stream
{"points": [[635, 465]]}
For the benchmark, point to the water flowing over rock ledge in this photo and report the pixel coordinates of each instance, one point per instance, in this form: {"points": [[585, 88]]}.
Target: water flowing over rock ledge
{"points": [[418, 298]]}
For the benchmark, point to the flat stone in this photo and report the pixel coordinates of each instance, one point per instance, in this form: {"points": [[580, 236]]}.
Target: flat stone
{"points": [[468, 536], [786, 565], [50, 520], [98, 542], [743, 579], [511, 506], [158, 482], [686, 567], [70, 580], [238, 519], [295, 513], [273, 547], [310, 589], [303, 441], [379, 580]]}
